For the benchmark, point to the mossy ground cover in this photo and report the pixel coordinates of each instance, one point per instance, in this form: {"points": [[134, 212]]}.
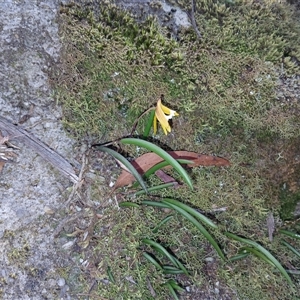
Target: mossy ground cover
{"points": [[224, 88]]}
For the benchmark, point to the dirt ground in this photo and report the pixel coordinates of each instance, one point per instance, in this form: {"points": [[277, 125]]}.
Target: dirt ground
{"points": [[32, 192]]}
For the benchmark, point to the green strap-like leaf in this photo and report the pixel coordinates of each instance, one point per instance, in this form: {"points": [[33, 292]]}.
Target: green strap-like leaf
{"points": [[175, 285], [263, 251], [110, 275], [152, 260], [155, 203], [258, 254], [128, 204], [164, 164], [149, 124], [192, 211], [161, 249], [239, 256], [160, 224], [172, 270], [291, 248], [126, 163], [163, 154], [154, 188], [199, 226], [172, 291], [290, 233], [160, 166]]}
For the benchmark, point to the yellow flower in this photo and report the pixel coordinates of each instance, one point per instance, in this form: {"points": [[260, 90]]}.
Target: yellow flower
{"points": [[163, 114]]}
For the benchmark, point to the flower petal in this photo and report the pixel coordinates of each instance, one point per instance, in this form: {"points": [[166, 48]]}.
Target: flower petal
{"points": [[163, 114], [162, 120], [165, 109]]}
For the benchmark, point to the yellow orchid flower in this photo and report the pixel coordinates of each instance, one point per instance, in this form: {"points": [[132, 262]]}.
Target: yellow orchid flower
{"points": [[163, 114]]}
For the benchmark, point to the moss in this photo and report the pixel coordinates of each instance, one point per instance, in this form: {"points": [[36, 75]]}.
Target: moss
{"points": [[289, 202], [268, 29]]}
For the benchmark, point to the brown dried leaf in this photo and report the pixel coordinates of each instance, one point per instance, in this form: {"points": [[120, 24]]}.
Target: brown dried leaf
{"points": [[166, 178], [200, 159], [148, 160]]}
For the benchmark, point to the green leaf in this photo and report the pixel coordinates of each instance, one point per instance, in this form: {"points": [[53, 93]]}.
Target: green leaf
{"points": [[128, 204], [152, 260], [175, 285], [199, 226], [172, 291], [290, 233], [160, 224], [192, 211], [155, 203], [258, 254], [126, 163], [110, 275], [291, 248], [263, 251], [162, 250], [164, 164], [181, 266], [163, 154], [160, 166], [149, 124], [239, 256], [154, 188], [172, 270]]}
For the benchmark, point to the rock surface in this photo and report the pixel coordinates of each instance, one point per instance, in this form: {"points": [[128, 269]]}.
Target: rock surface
{"points": [[29, 187]]}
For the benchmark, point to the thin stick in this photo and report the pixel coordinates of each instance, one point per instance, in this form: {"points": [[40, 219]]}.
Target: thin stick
{"points": [[191, 15], [78, 184], [138, 119]]}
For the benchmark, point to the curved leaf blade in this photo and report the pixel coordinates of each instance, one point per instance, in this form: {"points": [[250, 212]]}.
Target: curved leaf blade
{"points": [[155, 203], [164, 164], [153, 261], [161, 249], [263, 251], [163, 154], [199, 226], [149, 124], [191, 211], [258, 254], [291, 248], [172, 270], [290, 233], [126, 163], [161, 223], [171, 289], [154, 188], [128, 204]]}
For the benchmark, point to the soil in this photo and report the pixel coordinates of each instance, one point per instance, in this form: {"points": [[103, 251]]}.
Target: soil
{"points": [[32, 192]]}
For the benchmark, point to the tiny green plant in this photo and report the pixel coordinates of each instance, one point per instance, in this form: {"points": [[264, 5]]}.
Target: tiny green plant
{"points": [[176, 268], [290, 234], [260, 252]]}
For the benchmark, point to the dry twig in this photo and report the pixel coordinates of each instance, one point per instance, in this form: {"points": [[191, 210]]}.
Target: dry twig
{"points": [[191, 15], [39, 147]]}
